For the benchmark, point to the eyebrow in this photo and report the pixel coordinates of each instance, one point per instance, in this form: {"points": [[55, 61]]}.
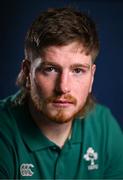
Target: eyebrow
{"points": [[81, 65], [76, 65]]}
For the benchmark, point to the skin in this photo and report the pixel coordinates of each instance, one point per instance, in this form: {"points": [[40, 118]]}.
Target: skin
{"points": [[60, 82]]}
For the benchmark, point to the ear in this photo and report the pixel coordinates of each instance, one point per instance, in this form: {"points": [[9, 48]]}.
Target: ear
{"points": [[26, 67], [92, 76]]}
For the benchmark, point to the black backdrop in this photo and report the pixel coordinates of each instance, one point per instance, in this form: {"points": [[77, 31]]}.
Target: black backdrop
{"points": [[16, 17]]}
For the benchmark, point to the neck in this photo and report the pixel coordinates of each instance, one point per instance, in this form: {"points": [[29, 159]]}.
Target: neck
{"points": [[55, 132]]}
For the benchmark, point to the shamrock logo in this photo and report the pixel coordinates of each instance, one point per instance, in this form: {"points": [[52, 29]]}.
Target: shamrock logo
{"points": [[91, 156]]}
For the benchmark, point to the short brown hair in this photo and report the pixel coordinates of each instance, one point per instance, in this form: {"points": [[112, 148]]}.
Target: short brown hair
{"points": [[61, 27]]}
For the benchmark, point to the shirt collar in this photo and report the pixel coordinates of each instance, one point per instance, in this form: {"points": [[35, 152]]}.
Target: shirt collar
{"points": [[77, 129]]}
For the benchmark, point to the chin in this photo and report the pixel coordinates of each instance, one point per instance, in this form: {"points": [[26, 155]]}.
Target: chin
{"points": [[60, 120], [60, 117]]}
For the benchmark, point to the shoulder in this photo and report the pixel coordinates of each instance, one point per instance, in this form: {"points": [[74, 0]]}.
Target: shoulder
{"points": [[103, 133], [8, 134], [9, 116], [101, 114], [99, 110], [6, 110], [101, 121]]}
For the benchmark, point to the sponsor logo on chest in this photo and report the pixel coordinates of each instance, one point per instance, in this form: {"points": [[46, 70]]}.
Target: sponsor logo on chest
{"points": [[26, 169]]}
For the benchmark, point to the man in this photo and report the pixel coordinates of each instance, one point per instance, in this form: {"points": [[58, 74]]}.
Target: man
{"points": [[52, 128]]}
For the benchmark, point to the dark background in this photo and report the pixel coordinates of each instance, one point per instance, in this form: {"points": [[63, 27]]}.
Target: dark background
{"points": [[16, 17]]}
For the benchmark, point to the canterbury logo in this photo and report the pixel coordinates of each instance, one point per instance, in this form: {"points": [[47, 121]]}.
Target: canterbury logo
{"points": [[26, 169]]}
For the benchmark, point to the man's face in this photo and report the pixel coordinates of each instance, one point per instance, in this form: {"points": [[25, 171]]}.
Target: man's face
{"points": [[61, 81]]}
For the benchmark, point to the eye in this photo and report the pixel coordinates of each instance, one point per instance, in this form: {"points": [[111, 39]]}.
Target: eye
{"points": [[50, 69], [79, 70]]}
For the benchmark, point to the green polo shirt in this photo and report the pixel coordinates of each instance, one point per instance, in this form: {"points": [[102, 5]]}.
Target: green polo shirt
{"points": [[94, 151]]}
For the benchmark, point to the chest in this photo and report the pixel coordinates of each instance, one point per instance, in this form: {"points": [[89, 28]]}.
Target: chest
{"points": [[72, 162]]}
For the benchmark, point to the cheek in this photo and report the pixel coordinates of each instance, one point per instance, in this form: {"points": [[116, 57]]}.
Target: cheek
{"points": [[44, 86], [82, 86], [81, 90]]}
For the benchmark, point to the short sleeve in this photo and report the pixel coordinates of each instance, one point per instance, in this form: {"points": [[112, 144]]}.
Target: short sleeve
{"points": [[6, 159], [114, 154], [6, 149]]}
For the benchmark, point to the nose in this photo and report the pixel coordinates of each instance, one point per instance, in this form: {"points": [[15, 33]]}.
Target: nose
{"points": [[63, 83]]}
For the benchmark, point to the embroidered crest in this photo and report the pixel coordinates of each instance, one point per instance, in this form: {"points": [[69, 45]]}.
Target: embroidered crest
{"points": [[25, 169], [91, 156]]}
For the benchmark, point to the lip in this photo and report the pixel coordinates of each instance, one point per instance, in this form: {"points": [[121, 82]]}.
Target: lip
{"points": [[62, 103]]}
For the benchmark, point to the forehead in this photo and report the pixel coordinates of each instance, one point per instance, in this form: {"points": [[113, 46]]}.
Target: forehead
{"points": [[65, 55], [72, 48]]}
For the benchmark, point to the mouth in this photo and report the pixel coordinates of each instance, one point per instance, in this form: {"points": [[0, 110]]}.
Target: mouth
{"points": [[62, 103]]}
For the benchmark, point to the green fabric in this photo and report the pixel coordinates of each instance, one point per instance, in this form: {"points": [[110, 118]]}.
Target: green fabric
{"points": [[25, 153]]}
